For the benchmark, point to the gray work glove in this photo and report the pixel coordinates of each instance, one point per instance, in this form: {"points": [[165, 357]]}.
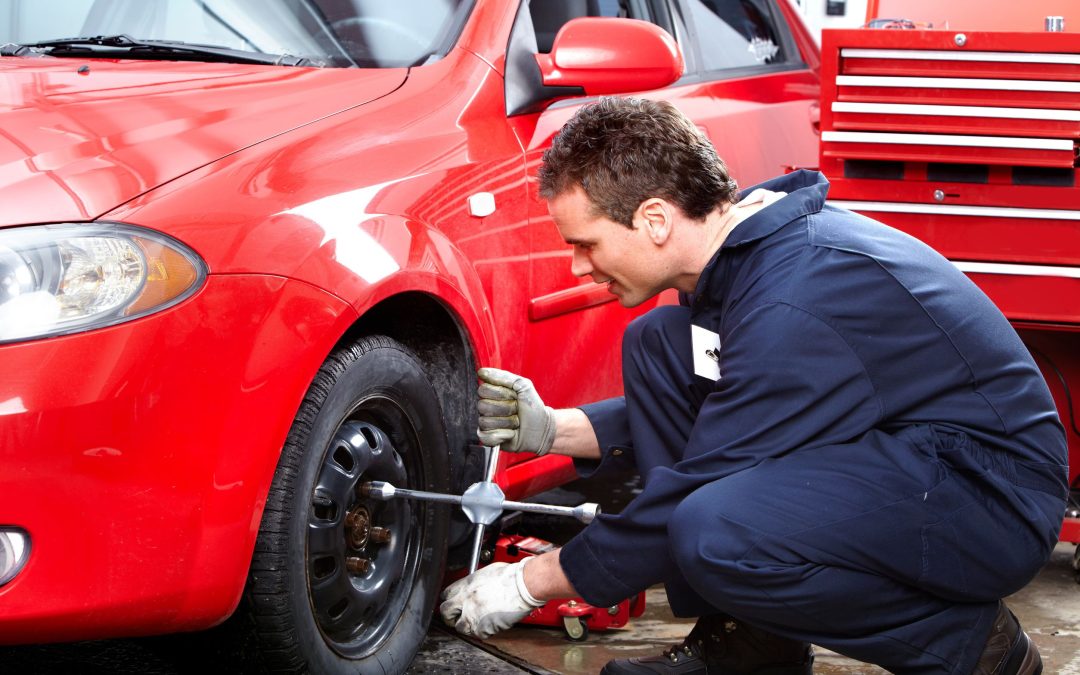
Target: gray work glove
{"points": [[512, 414], [489, 600]]}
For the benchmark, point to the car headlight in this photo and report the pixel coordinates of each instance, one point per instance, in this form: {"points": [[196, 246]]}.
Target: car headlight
{"points": [[14, 550], [58, 279]]}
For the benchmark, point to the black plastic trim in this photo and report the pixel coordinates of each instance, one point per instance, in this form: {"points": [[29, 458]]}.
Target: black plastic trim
{"points": [[524, 85]]}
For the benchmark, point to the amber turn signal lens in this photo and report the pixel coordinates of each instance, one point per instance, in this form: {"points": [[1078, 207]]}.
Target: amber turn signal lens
{"points": [[168, 275]]}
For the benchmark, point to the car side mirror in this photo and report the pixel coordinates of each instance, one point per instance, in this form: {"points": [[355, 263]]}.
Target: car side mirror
{"points": [[611, 56]]}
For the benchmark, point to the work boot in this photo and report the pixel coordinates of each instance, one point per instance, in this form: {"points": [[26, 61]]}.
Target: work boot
{"points": [[720, 645], [1008, 650]]}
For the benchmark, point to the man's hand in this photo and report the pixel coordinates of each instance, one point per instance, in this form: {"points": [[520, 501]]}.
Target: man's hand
{"points": [[489, 600], [512, 414]]}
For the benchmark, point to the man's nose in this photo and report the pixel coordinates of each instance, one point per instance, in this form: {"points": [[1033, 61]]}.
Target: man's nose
{"points": [[580, 265]]}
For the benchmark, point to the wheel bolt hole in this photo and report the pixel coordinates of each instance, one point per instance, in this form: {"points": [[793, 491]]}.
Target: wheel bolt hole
{"points": [[339, 608], [325, 511], [323, 567], [370, 437], [344, 459]]}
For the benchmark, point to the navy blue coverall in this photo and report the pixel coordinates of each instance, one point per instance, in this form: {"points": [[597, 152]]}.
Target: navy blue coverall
{"points": [[878, 462]]}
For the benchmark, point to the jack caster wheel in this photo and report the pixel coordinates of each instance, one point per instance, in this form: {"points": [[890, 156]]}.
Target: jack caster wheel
{"points": [[576, 628]]}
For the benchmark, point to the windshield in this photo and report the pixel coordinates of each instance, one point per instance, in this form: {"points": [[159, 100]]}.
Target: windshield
{"points": [[341, 33]]}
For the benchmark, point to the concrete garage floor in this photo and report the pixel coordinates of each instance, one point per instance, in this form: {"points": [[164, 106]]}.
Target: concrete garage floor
{"points": [[1048, 608]]}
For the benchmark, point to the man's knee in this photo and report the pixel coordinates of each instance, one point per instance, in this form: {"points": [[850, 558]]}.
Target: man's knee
{"points": [[665, 325], [684, 534], [718, 526], [699, 537], [658, 338]]}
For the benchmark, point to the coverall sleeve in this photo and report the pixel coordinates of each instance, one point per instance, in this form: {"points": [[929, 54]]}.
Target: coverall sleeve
{"points": [[788, 381], [609, 421]]}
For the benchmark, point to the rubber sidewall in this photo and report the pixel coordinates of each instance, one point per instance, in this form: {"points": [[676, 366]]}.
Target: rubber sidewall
{"points": [[374, 367]]}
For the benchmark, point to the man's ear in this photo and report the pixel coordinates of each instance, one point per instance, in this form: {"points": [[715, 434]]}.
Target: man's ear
{"points": [[656, 215]]}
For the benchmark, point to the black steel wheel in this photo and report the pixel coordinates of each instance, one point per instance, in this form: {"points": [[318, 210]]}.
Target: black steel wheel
{"points": [[341, 582]]}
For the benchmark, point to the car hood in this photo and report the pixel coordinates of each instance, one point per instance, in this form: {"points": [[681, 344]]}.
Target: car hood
{"points": [[80, 137]]}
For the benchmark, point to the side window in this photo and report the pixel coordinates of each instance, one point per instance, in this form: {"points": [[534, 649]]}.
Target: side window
{"points": [[736, 34], [548, 16], [535, 27]]}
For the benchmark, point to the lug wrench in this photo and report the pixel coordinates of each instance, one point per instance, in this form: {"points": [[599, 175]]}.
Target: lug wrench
{"points": [[482, 503]]}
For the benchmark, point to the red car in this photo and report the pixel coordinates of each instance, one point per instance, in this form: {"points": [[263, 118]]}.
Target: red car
{"points": [[251, 254]]}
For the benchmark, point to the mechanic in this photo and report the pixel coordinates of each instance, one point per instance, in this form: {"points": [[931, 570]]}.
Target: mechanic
{"points": [[842, 440]]}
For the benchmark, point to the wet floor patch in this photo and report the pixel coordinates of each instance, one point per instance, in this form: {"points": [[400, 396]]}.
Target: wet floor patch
{"points": [[444, 653]]}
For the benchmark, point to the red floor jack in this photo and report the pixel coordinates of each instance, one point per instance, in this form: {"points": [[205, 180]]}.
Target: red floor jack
{"points": [[483, 503], [576, 616]]}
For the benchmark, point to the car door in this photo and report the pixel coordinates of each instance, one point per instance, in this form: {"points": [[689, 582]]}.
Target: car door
{"points": [[761, 82], [751, 94], [574, 326]]}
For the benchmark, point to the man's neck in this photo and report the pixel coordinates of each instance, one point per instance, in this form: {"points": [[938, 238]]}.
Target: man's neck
{"points": [[717, 228], [718, 225]]}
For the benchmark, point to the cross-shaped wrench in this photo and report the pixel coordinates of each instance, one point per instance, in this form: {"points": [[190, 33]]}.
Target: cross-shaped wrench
{"points": [[482, 503]]}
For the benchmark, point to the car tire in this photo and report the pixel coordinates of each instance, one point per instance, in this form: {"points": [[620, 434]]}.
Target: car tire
{"points": [[327, 591]]}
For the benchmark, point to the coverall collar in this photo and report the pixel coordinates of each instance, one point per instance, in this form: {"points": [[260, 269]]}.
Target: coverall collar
{"points": [[806, 194]]}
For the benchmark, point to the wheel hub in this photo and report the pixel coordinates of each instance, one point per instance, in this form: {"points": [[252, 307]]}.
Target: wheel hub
{"points": [[357, 547], [358, 527]]}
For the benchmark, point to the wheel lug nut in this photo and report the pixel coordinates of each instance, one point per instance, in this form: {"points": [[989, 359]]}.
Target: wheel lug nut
{"points": [[357, 565], [380, 535], [364, 489]]}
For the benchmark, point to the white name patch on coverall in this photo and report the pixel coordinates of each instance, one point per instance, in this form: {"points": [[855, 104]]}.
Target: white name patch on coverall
{"points": [[706, 347]]}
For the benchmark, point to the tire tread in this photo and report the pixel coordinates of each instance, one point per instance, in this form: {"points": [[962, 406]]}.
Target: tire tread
{"points": [[267, 595]]}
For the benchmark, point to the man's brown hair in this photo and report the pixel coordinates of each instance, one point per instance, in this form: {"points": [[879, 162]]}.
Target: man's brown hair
{"points": [[622, 151]]}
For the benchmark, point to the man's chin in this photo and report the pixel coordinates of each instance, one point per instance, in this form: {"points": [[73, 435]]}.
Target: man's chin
{"points": [[629, 301], [626, 297]]}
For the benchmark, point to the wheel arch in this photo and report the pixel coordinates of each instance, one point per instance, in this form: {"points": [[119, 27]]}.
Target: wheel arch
{"points": [[316, 578], [443, 344], [448, 340], [434, 304]]}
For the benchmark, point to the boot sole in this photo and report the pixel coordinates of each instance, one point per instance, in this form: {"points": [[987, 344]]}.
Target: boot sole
{"points": [[806, 668]]}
